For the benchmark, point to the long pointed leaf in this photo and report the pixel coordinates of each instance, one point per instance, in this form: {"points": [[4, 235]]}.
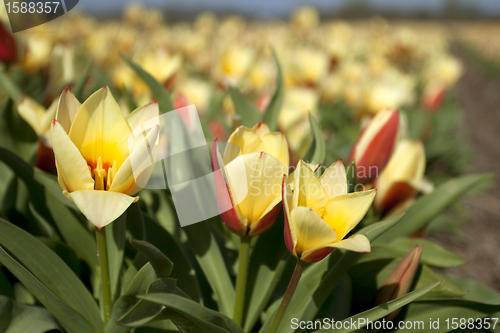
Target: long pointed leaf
{"points": [[273, 109]]}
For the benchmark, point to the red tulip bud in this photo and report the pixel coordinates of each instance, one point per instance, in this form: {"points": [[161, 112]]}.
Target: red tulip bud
{"points": [[399, 282], [374, 146]]}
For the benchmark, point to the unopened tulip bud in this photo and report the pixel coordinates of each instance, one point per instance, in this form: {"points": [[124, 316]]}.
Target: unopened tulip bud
{"points": [[399, 282], [434, 96], [402, 177], [374, 146]]}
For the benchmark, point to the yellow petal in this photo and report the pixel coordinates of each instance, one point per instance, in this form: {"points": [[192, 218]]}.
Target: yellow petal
{"points": [[72, 168], [276, 145], [33, 113], [144, 115], [334, 180], [356, 243], [344, 212], [101, 207], [261, 129], [139, 164], [67, 108], [264, 176], [307, 189], [311, 231], [242, 141], [100, 130]]}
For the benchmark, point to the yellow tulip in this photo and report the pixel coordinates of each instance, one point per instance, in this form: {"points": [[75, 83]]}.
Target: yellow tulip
{"points": [[94, 155], [253, 166], [319, 213], [402, 177], [37, 116]]}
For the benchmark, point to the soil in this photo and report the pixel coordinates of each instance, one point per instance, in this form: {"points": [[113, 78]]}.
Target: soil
{"points": [[479, 239]]}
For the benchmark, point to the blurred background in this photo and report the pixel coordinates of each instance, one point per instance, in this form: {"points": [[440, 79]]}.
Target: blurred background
{"points": [[343, 61]]}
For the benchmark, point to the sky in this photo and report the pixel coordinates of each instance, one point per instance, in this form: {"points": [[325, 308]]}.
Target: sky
{"points": [[281, 8]]}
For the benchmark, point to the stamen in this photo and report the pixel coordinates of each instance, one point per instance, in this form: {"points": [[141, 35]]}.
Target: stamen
{"points": [[111, 175]]}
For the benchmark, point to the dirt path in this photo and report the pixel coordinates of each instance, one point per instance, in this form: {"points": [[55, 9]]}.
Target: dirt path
{"points": [[479, 239]]}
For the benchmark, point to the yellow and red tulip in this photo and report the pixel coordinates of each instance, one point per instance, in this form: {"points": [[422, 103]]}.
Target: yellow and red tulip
{"points": [[94, 155], [399, 282], [402, 177], [319, 213], [248, 178], [374, 146]]}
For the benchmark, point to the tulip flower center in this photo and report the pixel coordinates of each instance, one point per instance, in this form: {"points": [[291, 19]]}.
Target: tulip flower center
{"points": [[103, 178]]}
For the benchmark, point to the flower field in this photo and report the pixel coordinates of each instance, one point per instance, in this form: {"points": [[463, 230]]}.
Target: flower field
{"points": [[231, 175]]}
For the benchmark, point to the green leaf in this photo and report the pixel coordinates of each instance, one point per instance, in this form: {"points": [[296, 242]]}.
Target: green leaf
{"points": [[190, 316], [212, 263], [316, 153], [68, 317], [139, 285], [431, 205], [143, 312], [9, 87], [273, 109], [80, 82], [432, 254], [161, 264], [42, 272], [477, 293], [321, 278], [249, 113], [383, 309], [182, 271], [115, 235], [17, 317], [50, 183], [446, 290], [158, 91], [74, 233], [351, 177], [267, 270]]}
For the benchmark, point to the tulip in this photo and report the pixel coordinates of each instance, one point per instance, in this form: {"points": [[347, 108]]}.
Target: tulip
{"points": [[399, 282], [255, 159], [94, 158], [91, 148], [402, 177], [319, 213], [40, 119], [434, 95], [8, 47], [374, 146], [248, 182]]}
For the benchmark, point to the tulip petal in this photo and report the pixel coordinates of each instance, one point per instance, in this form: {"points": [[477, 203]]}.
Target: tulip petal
{"points": [[307, 189], [334, 180], [101, 207], [32, 113], [356, 243], [289, 232], [225, 202], [72, 169], [67, 108], [277, 146], [344, 212], [101, 130], [244, 140], [139, 164], [311, 230], [146, 115], [263, 175]]}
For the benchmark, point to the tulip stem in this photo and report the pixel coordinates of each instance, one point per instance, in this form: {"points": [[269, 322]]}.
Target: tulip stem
{"points": [[294, 281], [104, 266], [241, 280]]}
